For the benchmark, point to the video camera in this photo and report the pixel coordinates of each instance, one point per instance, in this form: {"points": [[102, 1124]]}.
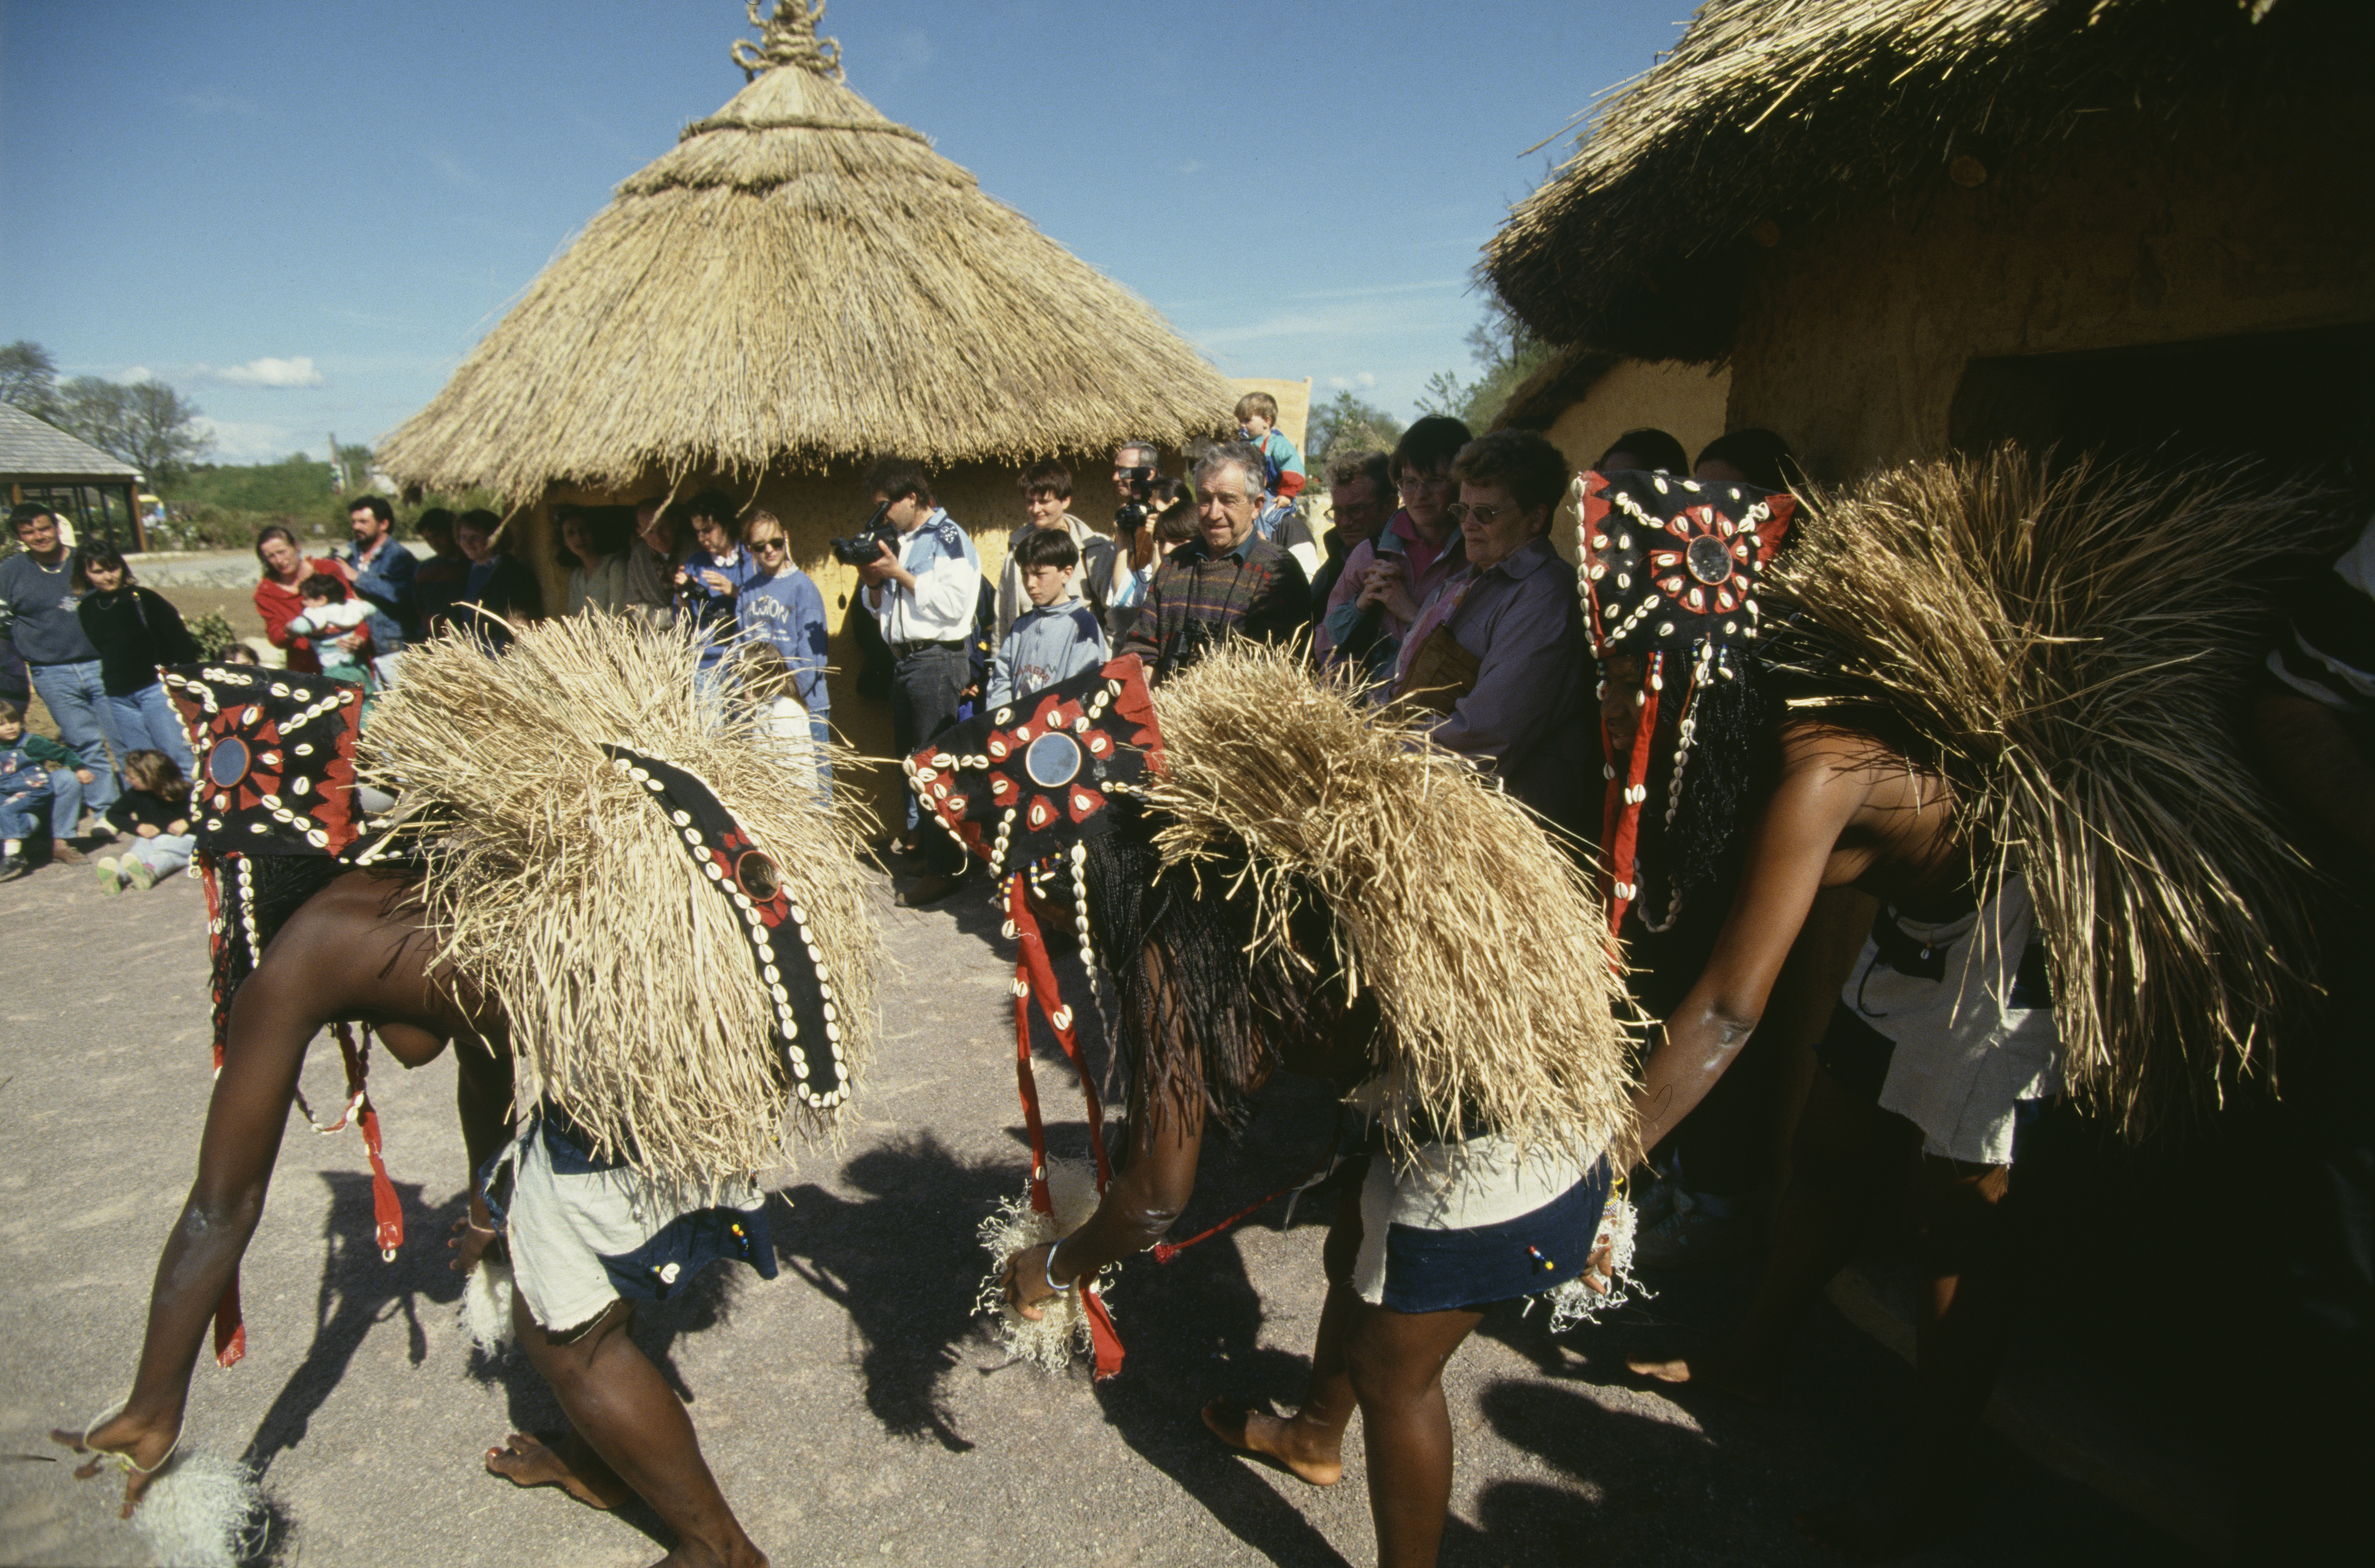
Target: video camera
{"points": [[866, 544], [1130, 516]]}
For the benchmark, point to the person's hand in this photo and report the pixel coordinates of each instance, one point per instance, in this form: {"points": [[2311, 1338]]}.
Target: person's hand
{"points": [[470, 1242], [353, 641], [970, 692], [178, 827], [683, 579], [718, 583], [1388, 584], [146, 830], [1026, 1282], [881, 569], [138, 1446], [86, 775]]}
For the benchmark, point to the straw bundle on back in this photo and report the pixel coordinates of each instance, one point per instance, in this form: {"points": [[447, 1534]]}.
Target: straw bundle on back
{"points": [[2077, 647], [802, 280], [558, 887], [1482, 941]]}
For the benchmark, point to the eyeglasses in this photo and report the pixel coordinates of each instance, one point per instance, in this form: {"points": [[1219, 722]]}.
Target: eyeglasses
{"points": [[1410, 482], [771, 545], [1462, 511]]}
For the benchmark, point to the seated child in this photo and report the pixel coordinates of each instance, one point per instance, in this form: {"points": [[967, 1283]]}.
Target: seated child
{"points": [[156, 812], [40, 787], [787, 731], [331, 613], [1282, 474], [241, 653], [1052, 641]]}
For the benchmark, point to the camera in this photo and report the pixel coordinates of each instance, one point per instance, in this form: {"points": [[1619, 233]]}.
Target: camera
{"points": [[1131, 515], [866, 544]]}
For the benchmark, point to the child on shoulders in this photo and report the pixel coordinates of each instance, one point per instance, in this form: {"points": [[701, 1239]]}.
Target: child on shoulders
{"points": [[1053, 639], [155, 812], [1282, 474]]}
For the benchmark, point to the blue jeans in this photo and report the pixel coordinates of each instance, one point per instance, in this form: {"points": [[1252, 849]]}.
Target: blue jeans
{"points": [[22, 814], [164, 855], [66, 802], [78, 703], [146, 722]]}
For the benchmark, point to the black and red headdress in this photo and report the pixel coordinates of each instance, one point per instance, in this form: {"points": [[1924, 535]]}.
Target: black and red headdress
{"points": [[1673, 570], [1026, 786]]}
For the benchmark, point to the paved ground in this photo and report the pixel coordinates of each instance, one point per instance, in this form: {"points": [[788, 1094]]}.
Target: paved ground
{"points": [[852, 1411]]}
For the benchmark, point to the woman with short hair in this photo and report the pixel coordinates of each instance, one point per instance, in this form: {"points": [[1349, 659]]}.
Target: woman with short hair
{"points": [[595, 561]]}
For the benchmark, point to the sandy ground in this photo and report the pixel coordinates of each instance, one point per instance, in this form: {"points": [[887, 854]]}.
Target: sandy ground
{"points": [[851, 1407]]}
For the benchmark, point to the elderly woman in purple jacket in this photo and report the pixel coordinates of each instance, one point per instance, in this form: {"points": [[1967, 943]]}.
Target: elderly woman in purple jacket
{"points": [[1513, 612]]}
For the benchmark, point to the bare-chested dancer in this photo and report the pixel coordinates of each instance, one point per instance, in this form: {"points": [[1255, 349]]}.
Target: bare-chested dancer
{"points": [[357, 952]]}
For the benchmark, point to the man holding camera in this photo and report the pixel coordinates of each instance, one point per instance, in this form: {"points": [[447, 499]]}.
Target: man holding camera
{"points": [[923, 595], [1229, 581]]}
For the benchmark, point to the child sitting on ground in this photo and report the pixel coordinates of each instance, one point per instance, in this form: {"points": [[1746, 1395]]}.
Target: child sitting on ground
{"points": [[40, 789], [330, 614], [1052, 641], [156, 812]]}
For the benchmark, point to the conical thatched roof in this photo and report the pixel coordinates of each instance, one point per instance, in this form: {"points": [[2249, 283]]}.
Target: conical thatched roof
{"points": [[1770, 113], [801, 281]]}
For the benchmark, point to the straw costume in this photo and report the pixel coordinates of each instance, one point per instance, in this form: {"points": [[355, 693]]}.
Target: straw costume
{"points": [[2055, 645], [674, 928], [1260, 860], [2070, 647]]}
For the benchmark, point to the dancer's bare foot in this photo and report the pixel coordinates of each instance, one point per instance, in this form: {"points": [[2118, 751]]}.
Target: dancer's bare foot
{"points": [[565, 1462], [1750, 1378], [1286, 1443], [1888, 1522]]}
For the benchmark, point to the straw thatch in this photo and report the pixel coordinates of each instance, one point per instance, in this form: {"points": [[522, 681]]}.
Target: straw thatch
{"points": [[1773, 113], [801, 281], [1483, 942], [2076, 646], [555, 887]]}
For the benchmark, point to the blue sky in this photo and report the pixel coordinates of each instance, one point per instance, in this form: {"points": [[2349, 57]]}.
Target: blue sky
{"points": [[303, 213]]}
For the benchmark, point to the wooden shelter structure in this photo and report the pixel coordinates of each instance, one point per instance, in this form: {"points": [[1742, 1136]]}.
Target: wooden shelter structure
{"points": [[1912, 226], [798, 287], [96, 494]]}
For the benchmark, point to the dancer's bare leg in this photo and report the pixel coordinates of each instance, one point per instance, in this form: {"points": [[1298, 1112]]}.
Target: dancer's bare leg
{"points": [[1847, 1168], [628, 1431], [1961, 1324], [1310, 1442], [1396, 1362]]}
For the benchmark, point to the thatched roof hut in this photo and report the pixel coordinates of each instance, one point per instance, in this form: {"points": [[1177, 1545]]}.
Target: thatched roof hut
{"points": [[802, 282], [1855, 203]]}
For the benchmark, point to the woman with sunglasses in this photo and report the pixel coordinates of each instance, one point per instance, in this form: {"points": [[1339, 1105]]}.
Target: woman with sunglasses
{"points": [[1499, 650], [780, 608]]}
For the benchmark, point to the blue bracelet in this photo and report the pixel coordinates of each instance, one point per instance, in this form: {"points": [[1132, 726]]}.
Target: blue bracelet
{"points": [[1047, 1268]]}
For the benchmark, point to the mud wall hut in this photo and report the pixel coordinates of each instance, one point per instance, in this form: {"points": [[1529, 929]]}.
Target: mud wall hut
{"points": [[1912, 226], [798, 287]]}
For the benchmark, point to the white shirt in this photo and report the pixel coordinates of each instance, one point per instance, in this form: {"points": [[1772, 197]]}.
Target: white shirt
{"points": [[947, 569]]}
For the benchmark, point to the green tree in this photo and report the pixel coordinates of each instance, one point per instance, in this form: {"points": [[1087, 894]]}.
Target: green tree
{"points": [[1505, 352], [28, 378], [146, 423], [1347, 422]]}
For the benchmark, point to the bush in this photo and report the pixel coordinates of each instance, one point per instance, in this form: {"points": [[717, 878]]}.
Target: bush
{"points": [[213, 633]]}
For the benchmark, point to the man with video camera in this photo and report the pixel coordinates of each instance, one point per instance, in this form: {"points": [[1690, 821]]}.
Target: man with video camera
{"points": [[923, 593]]}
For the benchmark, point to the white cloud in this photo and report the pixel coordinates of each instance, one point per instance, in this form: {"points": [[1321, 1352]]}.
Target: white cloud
{"points": [[130, 375], [269, 371], [1361, 383], [238, 441]]}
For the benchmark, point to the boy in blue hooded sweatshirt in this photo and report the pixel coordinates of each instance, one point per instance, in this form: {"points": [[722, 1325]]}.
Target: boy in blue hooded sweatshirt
{"points": [[1055, 639]]}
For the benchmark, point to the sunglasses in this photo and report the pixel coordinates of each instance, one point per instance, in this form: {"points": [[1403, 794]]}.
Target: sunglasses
{"points": [[770, 546]]}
